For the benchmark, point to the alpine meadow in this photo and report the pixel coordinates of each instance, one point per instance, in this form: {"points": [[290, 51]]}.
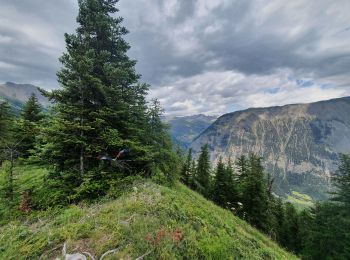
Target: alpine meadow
{"points": [[234, 143]]}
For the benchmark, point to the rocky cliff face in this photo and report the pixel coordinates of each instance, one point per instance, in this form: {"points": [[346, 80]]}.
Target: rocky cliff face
{"points": [[300, 143]]}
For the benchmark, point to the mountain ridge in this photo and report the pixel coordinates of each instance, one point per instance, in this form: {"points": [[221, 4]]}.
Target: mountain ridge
{"points": [[300, 143], [184, 129], [18, 94]]}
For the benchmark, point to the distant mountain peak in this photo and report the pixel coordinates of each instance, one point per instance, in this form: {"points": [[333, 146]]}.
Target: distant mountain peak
{"points": [[17, 94]]}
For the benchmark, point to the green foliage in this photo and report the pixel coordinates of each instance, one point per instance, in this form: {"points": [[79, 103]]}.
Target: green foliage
{"points": [[26, 178], [341, 181], [7, 183], [202, 175], [225, 191], [164, 158], [218, 193], [32, 110], [328, 231], [100, 110], [328, 234], [8, 154], [5, 122], [300, 201], [254, 194], [186, 173], [167, 223], [291, 229], [123, 186], [27, 128]]}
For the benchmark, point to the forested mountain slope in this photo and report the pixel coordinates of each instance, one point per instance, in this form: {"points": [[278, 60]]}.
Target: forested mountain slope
{"points": [[300, 143]]}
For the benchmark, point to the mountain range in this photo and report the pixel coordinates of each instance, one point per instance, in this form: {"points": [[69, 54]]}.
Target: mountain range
{"points": [[185, 129], [300, 143], [17, 94]]}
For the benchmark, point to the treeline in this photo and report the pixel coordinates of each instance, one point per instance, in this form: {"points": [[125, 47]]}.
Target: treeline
{"points": [[99, 128], [243, 187]]}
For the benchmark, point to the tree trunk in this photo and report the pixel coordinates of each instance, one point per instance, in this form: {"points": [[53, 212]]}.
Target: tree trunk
{"points": [[10, 188], [81, 131]]}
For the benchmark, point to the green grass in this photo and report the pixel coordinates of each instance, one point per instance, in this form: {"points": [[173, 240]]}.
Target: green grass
{"points": [[167, 223], [300, 201], [25, 177]]}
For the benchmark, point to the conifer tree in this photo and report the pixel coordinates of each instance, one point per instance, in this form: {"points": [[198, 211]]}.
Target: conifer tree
{"points": [[8, 152], [242, 167], [328, 233], [306, 220], [341, 181], [224, 188], [100, 108], [291, 234], [202, 176], [231, 187], [28, 125], [219, 187], [193, 171], [254, 195], [98, 82], [160, 145], [5, 121], [32, 110], [327, 225], [186, 173], [278, 217]]}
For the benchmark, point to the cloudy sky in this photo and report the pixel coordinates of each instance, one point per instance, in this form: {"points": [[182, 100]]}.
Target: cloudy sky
{"points": [[200, 56]]}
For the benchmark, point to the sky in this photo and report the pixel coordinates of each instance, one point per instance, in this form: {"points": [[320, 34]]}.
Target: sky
{"points": [[199, 56]]}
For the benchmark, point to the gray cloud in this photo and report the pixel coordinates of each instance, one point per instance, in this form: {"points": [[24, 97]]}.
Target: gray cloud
{"points": [[31, 39], [201, 56]]}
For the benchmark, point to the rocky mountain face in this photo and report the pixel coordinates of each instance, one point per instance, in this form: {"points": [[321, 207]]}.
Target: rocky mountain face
{"points": [[185, 129], [17, 94], [300, 143]]}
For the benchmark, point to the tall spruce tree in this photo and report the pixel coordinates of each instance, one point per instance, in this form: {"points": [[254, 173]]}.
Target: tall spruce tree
{"points": [[101, 107], [254, 195], [160, 152], [202, 176]]}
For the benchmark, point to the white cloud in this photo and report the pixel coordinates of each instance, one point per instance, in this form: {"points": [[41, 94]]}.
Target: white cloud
{"points": [[218, 92]]}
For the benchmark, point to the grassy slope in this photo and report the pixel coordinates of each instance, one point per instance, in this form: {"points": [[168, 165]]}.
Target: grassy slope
{"points": [[300, 201], [168, 223]]}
